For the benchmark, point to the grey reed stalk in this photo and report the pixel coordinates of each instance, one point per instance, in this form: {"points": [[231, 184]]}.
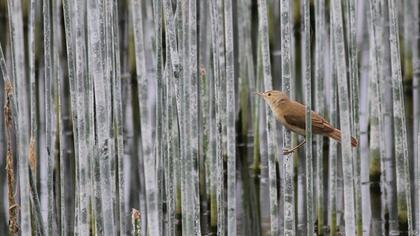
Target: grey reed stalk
{"points": [[49, 75], [216, 216], [146, 122], [354, 103], [33, 144], [333, 147], [117, 128], [270, 122], [343, 92], [416, 109], [320, 47], [102, 176], [194, 129], [231, 118], [400, 130], [22, 128], [306, 58], [75, 32], [378, 71], [286, 74]]}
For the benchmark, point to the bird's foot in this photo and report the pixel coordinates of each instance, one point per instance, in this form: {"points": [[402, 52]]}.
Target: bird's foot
{"points": [[287, 151]]}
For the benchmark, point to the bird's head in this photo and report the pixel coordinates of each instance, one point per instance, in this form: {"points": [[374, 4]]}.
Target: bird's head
{"points": [[274, 97]]}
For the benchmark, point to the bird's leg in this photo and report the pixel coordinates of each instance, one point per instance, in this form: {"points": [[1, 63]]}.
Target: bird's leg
{"points": [[287, 151]]}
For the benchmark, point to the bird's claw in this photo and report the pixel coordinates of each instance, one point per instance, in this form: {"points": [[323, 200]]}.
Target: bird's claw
{"points": [[287, 151]]}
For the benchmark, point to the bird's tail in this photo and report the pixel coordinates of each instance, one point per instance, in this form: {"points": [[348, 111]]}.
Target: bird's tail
{"points": [[336, 134]]}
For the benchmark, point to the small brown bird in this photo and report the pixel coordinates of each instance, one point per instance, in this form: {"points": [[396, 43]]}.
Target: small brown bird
{"points": [[292, 115]]}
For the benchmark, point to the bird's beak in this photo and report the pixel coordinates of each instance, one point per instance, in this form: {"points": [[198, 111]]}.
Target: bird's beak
{"points": [[260, 94]]}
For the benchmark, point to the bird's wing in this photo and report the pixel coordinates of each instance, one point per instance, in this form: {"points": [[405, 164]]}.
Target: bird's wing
{"points": [[295, 118], [292, 113], [320, 125]]}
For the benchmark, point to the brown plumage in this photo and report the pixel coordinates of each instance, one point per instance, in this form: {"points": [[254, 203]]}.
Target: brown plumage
{"points": [[292, 115]]}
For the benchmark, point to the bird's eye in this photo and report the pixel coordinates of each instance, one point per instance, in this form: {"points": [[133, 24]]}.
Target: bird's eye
{"points": [[269, 94]]}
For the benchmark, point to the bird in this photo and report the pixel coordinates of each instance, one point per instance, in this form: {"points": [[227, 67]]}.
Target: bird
{"points": [[291, 114]]}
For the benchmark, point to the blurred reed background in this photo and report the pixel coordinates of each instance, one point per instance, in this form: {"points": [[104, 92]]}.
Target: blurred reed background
{"points": [[114, 105]]}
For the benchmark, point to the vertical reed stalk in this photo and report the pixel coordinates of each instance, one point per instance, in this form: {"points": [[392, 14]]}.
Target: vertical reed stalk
{"points": [[416, 109], [19, 91], [286, 75], [332, 148], [9, 111], [344, 105], [118, 119], [146, 122], [378, 71], [194, 109], [102, 173], [173, 68], [270, 122], [32, 155], [49, 74], [400, 130], [215, 205], [84, 125], [354, 103], [375, 165], [319, 106], [160, 102], [306, 45], [231, 118]]}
